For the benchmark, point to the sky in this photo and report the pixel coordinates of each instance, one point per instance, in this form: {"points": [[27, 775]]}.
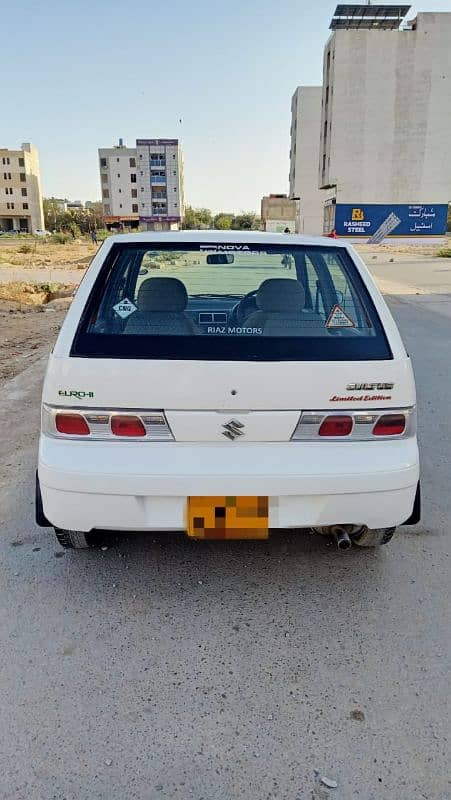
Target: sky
{"points": [[218, 76]]}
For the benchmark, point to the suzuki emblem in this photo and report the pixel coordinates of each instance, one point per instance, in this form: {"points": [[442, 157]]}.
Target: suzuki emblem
{"points": [[233, 429]]}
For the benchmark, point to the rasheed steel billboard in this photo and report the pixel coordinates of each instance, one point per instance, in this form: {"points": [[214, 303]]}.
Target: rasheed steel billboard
{"points": [[415, 220]]}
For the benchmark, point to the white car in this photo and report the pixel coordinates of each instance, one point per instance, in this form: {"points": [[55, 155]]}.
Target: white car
{"points": [[225, 384]]}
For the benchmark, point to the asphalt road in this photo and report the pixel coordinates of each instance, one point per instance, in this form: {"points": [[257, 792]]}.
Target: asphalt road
{"points": [[163, 669]]}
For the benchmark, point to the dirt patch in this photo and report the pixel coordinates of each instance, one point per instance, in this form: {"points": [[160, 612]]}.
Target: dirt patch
{"points": [[31, 294], [27, 332], [42, 253]]}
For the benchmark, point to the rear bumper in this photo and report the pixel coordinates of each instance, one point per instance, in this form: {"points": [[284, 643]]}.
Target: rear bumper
{"points": [[144, 486]]}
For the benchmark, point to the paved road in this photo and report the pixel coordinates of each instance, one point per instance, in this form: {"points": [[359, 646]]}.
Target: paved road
{"points": [[162, 669]]}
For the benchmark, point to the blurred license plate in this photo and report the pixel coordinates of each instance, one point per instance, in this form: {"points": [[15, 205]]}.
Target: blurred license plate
{"points": [[228, 517]]}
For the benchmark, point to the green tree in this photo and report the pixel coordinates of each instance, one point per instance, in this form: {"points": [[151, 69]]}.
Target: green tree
{"points": [[197, 218], [223, 221], [246, 222]]}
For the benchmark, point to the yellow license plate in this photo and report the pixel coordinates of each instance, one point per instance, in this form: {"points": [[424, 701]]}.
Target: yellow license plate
{"points": [[228, 517]]}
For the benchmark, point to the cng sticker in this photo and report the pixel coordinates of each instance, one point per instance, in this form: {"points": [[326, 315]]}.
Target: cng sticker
{"points": [[124, 308], [339, 319]]}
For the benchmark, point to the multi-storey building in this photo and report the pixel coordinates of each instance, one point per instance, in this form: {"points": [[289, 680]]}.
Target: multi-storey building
{"points": [[118, 185], [160, 183], [304, 158], [20, 190], [143, 185], [385, 123]]}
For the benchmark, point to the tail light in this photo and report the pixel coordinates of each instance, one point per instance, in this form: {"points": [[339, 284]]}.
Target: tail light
{"points": [[127, 425], [336, 425], [71, 424], [105, 424], [356, 426], [390, 425]]}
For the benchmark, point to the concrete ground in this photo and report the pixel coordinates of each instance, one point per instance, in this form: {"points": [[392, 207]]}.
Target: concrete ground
{"points": [[163, 669]]}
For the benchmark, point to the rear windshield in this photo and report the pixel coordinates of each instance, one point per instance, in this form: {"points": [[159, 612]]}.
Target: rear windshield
{"points": [[230, 302]]}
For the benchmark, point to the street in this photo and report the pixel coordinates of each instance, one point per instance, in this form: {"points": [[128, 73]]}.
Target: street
{"points": [[164, 669]]}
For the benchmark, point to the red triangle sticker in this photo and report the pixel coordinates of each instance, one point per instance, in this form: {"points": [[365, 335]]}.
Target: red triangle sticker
{"points": [[339, 319]]}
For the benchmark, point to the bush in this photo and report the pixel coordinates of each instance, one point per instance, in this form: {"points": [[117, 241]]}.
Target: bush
{"points": [[25, 248], [445, 252], [60, 238]]}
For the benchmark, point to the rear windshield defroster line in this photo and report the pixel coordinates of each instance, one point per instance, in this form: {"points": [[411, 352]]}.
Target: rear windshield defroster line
{"points": [[88, 343]]}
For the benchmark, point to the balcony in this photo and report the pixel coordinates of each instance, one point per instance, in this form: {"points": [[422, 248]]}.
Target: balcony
{"points": [[157, 162], [156, 180]]}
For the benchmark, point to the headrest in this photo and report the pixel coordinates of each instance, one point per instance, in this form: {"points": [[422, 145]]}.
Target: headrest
{"points": [[162, 294], [280, 294]]}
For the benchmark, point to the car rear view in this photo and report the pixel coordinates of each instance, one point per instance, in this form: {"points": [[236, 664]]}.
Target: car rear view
{"points": [[224, 385]]}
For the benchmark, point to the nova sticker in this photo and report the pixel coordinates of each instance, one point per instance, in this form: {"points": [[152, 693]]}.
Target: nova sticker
{"points": [[230, 247], [74, 393]]}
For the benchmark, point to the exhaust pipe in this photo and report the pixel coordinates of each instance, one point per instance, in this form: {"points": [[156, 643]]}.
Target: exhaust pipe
{"points": [[341, 537]]}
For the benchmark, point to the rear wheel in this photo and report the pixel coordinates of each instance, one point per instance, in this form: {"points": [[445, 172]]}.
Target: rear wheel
{"points": [[374, 538], [76, 540]]}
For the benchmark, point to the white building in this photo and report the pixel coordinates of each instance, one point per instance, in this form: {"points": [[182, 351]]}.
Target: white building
{"points": [[20, 190], [143, 185], [119, 185], [304, 158], [385, 122]]}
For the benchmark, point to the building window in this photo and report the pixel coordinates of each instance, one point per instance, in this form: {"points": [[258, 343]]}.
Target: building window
{"points": [[120, 205], [133, 177], [134, 208], [7, 205], [5, 175], [134, 193], [325, 130], [24, 192], [12, 205], [104, 177], [25, 206], [103, 162], [324, 163], [118, 174], [142, 188], [120, 191], [117, 160], [133, 162], [23, 177], [6, 190], [21, 162], [174, 173], [175, 189], [106, 209], [106, 193]]}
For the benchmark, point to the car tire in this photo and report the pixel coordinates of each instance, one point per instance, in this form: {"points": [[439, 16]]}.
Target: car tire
{"points": [[75, 540], [374, 538]]}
